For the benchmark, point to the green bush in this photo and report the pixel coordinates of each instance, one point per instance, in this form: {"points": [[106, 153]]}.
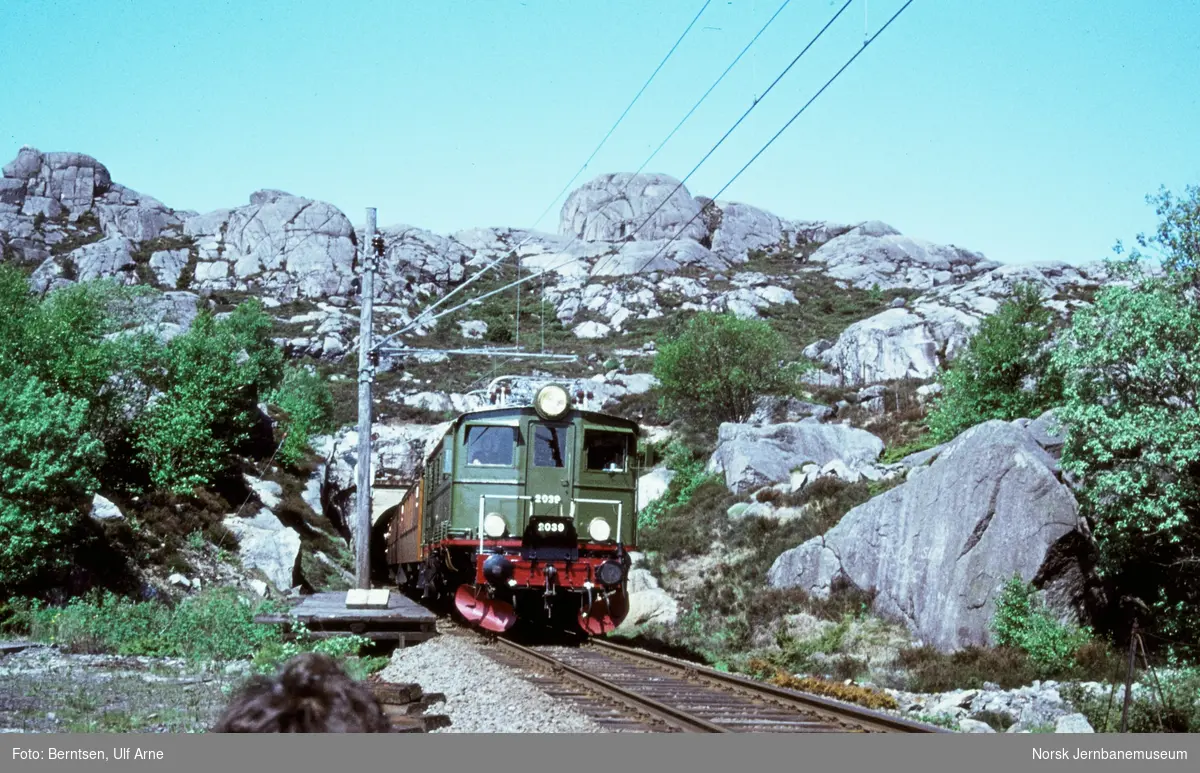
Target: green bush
{"points": [[1005, 371], [47, 475], [1020, 621], [210, 381], [307, 403], [715, 370], [689, 476]]}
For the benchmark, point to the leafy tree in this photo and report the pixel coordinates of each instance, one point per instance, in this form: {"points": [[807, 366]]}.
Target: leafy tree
{"points": [[1132, 367], [307, 403], [47, 459], [715, 370], [1133, 375], [1005, 370]]}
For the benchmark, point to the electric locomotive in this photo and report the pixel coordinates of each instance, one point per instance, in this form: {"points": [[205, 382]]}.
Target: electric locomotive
{"points": [[524, 510]]}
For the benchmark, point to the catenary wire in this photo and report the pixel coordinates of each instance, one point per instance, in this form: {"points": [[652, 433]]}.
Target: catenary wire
{"points": [[596, 268], [417, 319], [723, 188]]}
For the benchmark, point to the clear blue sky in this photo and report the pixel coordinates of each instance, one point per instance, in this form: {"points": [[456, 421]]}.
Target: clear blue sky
{"points": [[1027, 130]]}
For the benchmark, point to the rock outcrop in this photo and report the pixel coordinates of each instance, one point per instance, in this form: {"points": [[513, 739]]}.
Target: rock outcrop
{"points": [[611, 208], [398, 449], [278, 245], [265, 544], [938, 548], [753, 456]]}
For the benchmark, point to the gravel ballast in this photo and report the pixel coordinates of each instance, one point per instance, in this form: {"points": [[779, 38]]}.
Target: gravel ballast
{"points": [[482, 696]]}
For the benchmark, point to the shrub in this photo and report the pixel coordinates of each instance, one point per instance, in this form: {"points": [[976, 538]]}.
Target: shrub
{"points": [[849, 693], [929, 670], [210, 380], [307, 402], [1005, 371], [47, 464], [715, 370], [689, 476], [1020, 621]]}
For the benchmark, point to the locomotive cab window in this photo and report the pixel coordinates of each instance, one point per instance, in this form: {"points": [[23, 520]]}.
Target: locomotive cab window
{"points": [[549, 446], [491, 446], [606, 451]]}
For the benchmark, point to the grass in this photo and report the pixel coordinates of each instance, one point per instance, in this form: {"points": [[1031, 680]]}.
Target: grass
{"points": [[214, 625]]}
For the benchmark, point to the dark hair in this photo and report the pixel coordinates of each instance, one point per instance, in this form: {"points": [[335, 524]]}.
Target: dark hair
{"points": [[310, 694]]}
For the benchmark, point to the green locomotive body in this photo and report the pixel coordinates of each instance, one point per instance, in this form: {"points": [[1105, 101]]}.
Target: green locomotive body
{"points": [[520, 507]]}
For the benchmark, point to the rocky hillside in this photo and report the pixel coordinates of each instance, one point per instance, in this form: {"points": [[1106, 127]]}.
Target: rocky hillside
{"points": [[62, 215], [870, 305]]}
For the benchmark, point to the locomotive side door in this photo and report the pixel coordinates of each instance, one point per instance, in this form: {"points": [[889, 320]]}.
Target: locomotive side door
{"points": [[549, 462]]}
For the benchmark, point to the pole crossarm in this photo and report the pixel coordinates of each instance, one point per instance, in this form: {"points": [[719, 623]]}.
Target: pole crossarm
{"points": [[514, 353]]}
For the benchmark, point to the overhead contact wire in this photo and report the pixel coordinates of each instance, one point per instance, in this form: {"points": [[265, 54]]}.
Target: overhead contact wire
{"points": [[417, 319]]}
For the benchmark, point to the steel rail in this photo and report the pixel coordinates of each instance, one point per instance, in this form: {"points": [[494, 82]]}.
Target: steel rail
{"points": [[833, 710], [670, 715]]}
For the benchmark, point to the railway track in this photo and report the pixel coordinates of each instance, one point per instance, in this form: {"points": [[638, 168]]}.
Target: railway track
{"points": [[628, 690]]}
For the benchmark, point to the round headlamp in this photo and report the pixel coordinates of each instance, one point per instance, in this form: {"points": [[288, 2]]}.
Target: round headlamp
{"points": [[552, 401], [610, 573], [494, 525], [599, 530]]}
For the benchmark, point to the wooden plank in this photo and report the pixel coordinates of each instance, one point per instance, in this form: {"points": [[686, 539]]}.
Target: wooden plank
{"points": [[392, 692]]}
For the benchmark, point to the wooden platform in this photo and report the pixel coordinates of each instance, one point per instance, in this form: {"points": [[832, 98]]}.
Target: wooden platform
{"points": [[325, 614]]}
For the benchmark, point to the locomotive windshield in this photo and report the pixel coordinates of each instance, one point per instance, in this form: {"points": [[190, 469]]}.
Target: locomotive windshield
{"points": [[606, 451], [549, 446], [494, 446]]}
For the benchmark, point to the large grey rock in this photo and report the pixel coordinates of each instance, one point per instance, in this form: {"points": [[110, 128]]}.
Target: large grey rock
{"points": [[414, 255], [130, 214], [110, 258], [653, 485], [1047, 432], [649, 256], [874, 254], [753, 456], [772, 410], [266, 545], [399, 449], [611, 207], [893, 344], [71, 179], [286, 246], [648, 603], [744, 228], [939, 548]]}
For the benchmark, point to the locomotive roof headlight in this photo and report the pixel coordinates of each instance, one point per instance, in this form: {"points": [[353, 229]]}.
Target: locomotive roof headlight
{"points": [[552, 401], [494, 525], [599, 530]]}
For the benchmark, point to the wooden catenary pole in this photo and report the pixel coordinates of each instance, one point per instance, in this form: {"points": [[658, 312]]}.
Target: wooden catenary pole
{"points": [[1133, 638], [362, 519]]}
